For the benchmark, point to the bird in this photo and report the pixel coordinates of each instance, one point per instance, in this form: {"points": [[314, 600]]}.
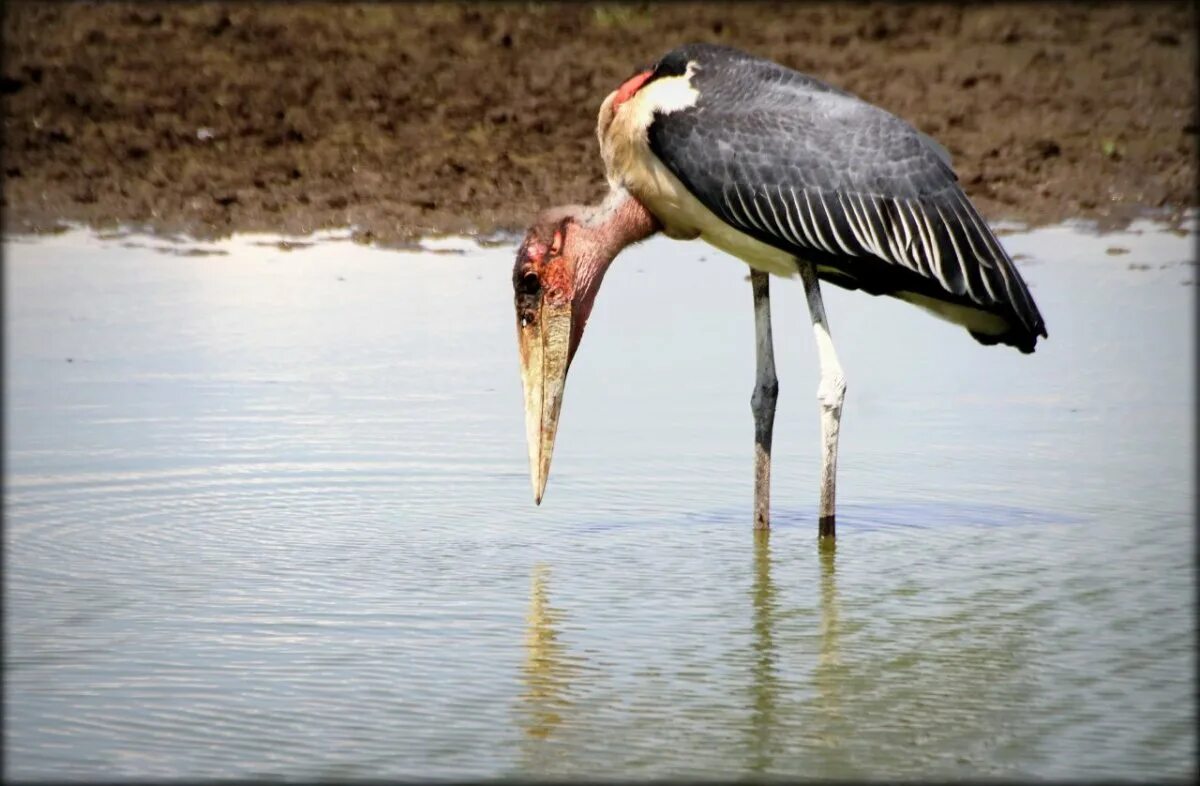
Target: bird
{"points": [[795, 177]]}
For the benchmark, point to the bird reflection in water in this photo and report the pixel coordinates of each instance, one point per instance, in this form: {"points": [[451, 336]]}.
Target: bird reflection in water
{"points": [[547, 669], [766, 679], [825, 726], [829, 673]]}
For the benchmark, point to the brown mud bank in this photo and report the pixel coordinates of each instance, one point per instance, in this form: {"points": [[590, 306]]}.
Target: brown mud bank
{"points": [[412, 119]]}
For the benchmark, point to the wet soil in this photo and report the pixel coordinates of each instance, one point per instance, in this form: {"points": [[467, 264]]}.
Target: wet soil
{"points": [[411, 119]]}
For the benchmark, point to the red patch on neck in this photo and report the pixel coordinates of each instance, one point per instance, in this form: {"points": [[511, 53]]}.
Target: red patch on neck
{"points": [[627, 90]]}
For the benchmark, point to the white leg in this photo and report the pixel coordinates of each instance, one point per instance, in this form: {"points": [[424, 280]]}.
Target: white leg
{"points": [[830, 393], [762, 402]]}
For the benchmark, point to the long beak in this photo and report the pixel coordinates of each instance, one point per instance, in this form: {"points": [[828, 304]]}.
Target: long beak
{"points": [[545, 344]]}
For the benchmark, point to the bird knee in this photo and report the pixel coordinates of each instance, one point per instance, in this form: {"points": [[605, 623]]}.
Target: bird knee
{"points": [[832, 391], [766, 392]]}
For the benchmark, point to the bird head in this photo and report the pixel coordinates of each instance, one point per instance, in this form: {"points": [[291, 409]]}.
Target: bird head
{"points": [[550, 318], [560, 265]]}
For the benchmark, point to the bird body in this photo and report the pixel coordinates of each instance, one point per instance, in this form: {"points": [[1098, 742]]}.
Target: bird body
{"points": [[772, 165], [789, 174]]}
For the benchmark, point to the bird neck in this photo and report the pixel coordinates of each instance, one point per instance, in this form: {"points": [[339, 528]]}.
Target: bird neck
{"points": [[604, 231], [607, 229]]}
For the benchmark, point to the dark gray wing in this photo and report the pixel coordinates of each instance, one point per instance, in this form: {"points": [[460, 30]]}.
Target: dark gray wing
{"points": [[822, 174]]}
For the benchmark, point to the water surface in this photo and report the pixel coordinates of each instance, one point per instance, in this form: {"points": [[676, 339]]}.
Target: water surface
{"points": [[267, 514]]}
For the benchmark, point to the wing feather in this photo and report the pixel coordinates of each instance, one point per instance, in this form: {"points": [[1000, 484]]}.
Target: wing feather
{"points": [[795, 233], [895, 237], [747, 220], [832, 223], [932, 250], [729, 205], [758, 210], [873, 226], [775, 213], [857, 225], [812, 216], [809, 242], [905, 236], [972, 279], [952, 274]]}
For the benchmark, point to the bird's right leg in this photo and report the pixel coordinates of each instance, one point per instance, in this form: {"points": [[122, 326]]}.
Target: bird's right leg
{"points": [[766, 391], [831, 392]]}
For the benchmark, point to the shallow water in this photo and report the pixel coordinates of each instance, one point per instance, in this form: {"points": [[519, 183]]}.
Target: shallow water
{"points": [[268, 514]]}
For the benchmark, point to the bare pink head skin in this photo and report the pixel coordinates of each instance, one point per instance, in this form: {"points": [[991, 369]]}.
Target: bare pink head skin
{"points": [[560, 265]]}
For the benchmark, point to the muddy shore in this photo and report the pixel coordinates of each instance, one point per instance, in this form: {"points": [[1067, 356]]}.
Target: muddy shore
{"points": [[412, 119]]}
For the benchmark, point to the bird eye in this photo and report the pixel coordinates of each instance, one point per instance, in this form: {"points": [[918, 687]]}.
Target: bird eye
{"points": [[530, 284]]}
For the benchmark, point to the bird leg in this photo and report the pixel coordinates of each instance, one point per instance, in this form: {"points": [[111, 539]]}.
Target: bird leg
{"points": [[762, 402], [830, 393]]}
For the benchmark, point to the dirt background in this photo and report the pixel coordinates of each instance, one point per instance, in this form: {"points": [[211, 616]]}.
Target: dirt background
{"points": [[412, 119]]}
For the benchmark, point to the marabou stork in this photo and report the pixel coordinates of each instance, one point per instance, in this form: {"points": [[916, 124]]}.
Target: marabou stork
{"points": [[789, 174]]}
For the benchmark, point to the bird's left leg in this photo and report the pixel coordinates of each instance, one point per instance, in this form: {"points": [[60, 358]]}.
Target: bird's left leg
{"points": [[762, 402], [830, 393]]}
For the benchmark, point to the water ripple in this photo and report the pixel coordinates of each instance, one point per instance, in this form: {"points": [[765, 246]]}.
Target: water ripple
{"points": [[263, 530]]}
